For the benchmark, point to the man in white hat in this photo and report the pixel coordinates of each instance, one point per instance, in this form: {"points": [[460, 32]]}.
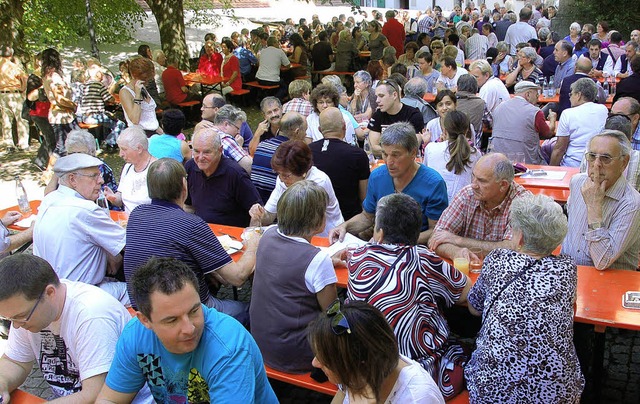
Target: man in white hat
{"points": [[75, 235], [519, 125]]}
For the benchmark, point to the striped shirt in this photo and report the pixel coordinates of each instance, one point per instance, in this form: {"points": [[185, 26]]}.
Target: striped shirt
{"points": [[95, 95], [262, 175], [163, 229], [614, 245], [299, 105]]}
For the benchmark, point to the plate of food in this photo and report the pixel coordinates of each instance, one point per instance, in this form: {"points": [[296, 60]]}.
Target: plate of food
{"points": [[230, 245]]}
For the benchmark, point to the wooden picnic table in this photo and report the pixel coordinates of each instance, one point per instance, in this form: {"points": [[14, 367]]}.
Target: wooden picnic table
{"points": [[548, 183]]}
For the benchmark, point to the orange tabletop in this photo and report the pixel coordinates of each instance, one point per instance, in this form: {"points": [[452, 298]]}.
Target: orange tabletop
{"points": [[192, 78], [542, 182], [601, 79], [545, 100], [599, 299], [34, 211], [22, 397], [365, 54], [429, 97]]}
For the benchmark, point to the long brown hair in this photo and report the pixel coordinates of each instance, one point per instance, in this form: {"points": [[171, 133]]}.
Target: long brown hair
{"points": [[457, 125]]}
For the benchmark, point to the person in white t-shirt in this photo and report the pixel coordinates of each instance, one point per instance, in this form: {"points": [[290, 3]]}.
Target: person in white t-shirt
{"points": [[132, 191], [356, 348], [293, 161], [578, 124], [69, 328], [449, 74]]}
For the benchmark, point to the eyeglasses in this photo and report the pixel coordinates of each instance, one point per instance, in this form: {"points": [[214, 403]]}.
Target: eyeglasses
{"points": [[26, 319], [234, 125], [92, 176], [604, 158], [207, 107], [339, 323]]}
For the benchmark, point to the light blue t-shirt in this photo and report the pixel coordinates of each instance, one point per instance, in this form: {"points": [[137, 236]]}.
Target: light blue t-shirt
{"points": [[427, 188], [226, 367]]}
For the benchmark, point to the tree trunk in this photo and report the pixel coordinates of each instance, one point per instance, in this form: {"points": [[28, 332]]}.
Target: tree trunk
{"points": [[11, 32], [169, 15]]}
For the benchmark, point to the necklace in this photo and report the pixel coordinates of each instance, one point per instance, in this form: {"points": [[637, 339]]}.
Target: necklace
{"points": [[145, 167], [528, 71]]}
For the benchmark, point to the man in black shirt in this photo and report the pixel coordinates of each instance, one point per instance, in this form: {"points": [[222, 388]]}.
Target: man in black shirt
{"points": [[322, 53], [347, 166], [390, 110]]}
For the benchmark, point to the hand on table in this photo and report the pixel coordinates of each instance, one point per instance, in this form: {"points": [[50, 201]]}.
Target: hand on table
{"points": [[441, 237], [11, 217], [337, 234]]}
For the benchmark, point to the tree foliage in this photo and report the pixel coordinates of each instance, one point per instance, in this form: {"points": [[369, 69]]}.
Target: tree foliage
{"points": [[54, 22], [621, 16]]}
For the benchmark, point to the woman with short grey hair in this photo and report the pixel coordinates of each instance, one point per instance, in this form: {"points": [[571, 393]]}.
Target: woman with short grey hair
{"points": [[299, 274], [363, 101], [504, 60], [526, 297], [411, 286], [525, 69]]}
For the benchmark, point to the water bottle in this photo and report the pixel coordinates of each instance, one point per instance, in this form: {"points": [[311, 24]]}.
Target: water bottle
{"points": [[367, 149], [545, 88], [552, 88], [612, 86], [605, 87], [102, 202], [21, 195]]}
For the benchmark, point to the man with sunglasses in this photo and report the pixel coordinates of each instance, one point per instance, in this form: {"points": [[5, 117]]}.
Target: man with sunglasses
{"points": [[603, 209], [390, 110], [74, 234], [69, 328]]}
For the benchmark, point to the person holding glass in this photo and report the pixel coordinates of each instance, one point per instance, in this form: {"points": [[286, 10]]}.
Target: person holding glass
{"points": [[299, 274], [526, 297], [348, 336], [525, 69], [411, 286]]}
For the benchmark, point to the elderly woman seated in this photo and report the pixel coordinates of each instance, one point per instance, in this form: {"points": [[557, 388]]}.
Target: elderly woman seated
{"points": [[293, 162], [411, 286], [526, 297], [344, 338], [293, 282]]}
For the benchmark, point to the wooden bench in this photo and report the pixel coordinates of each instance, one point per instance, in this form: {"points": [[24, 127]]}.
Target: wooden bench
{"points": [[241, 93], [304, 380], [188, 104], [257, 85]]}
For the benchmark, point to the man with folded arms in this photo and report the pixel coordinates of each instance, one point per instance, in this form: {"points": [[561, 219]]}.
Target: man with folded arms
{"points": [[604, 210], [74, 234], [164, 229], [69, 328], [478, 216]]}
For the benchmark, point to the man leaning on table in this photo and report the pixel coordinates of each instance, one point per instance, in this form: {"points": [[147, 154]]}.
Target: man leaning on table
{"points": [[185, 351], [400, 173], [478, 216], [68, 328], [164, 229], [604, 210]]}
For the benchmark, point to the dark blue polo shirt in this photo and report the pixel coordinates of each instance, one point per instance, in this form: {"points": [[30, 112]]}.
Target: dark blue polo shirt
{"points": [[162, 229], [223, 198]]}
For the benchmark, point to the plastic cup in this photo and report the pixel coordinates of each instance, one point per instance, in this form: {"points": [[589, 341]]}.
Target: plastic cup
{"points": [[475, 264], [462, 265]]}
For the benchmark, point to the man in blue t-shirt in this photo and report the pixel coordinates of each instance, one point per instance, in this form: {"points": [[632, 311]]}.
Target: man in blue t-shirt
{"points": [[401, 173], [183, 350]]}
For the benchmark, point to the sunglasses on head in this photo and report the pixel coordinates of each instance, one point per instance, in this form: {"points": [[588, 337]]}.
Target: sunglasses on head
{"points": [[339, 323]]}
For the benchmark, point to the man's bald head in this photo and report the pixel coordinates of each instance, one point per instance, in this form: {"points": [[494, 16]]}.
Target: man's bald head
{"points": [[583, 65], [332, 124], [293, 125]]}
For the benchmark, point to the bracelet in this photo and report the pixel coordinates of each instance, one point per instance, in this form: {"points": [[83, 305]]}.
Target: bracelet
{"points": [[137, 101]]}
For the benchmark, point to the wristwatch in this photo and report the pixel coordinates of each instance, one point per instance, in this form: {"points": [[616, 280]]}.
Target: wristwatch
{"points": [[594, 225]]}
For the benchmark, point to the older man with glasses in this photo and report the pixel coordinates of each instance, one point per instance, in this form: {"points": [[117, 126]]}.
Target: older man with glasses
{"points": [[68, 328], [74, 234], [603, 209]]}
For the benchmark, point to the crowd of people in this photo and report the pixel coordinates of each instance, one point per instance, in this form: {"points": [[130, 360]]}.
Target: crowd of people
{"points": [[446, 190]]}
